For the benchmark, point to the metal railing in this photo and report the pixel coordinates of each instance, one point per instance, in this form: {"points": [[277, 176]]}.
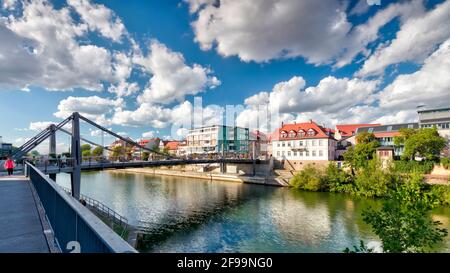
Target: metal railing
{"points": [[76, 228], [102, 208]]}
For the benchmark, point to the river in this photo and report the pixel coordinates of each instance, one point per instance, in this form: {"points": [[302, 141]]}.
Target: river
{"points": [[202, 216]]}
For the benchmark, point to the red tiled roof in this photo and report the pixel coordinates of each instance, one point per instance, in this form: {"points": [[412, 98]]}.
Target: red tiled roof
{"points": [[172, 145], [320, 132], [350, 129]]}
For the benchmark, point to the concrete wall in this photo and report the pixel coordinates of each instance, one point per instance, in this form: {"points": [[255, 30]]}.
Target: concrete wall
{"points": [[241, 169]]}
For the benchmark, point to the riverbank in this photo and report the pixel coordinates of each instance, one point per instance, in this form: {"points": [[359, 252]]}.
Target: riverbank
{"points": [[261, 180]]}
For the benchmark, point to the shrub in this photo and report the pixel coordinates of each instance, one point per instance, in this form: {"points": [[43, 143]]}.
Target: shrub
{"points": [[337, 180], [404, 166], [403, 224], [445, 161], [374, 181], [310, 178], [442, 193]]}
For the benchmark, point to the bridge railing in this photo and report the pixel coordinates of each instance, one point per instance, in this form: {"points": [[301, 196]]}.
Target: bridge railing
{"points": [[104, 209], [76, 228]]}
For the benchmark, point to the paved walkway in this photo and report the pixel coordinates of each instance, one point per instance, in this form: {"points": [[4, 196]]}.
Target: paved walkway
{"points": [[20, 226]]}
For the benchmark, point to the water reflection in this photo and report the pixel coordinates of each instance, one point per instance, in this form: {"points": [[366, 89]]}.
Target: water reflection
{"points": [[189, 215]]}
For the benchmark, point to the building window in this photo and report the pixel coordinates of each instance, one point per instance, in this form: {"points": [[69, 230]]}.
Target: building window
{"points": [[313, 153], [311, 132], [283, 144], [295, 153], [301, 153], [292, 134], [278, 144], [320, 153], [301, 133], [301, 143], [289, 153], [320, 142], [370, 130], [284, 134], [278, 153], [306, 153], [289, 144], [313, 143]]}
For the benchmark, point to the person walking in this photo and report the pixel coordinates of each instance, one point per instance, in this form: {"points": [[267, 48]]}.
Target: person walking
{"points": [[9, 165]]}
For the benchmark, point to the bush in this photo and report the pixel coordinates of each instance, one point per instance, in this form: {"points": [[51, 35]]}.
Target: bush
{"points": [[338, 180], [310, 179], [445, 161], [442, 193], [374, 181], [404, 166]]}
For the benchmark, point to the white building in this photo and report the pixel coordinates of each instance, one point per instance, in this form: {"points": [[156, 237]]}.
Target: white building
{"points": [[300, 144]]}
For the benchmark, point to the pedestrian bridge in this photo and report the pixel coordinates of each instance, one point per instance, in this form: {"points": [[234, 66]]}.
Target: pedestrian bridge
{"points": [[37, 215], [34, 208]]}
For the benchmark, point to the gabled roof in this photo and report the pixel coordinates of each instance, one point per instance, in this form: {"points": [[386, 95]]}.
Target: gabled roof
{"points": [[320, 131], [350, 129], [172, 145]]}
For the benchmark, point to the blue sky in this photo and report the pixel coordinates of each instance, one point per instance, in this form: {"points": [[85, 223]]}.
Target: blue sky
{"points": [[135, 66]]}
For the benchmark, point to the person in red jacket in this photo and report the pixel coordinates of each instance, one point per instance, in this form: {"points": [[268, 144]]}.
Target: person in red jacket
{"points": [[9, 165]]}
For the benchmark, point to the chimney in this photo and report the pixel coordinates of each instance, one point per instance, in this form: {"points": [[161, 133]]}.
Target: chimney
{"points": [[310, 121], [282, 123]]}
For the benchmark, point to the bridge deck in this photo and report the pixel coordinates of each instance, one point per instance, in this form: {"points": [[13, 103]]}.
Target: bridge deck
{"points": [[21, 230]]}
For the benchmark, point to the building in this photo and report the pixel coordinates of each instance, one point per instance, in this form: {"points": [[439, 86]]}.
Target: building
{"points": [[348, 131], [6, 149], [299, 144], [172, 147], [258, 145], [218, 139], [385, 134], [436, 117]]}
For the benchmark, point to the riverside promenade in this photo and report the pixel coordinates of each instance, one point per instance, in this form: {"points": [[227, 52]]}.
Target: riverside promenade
{"points": [[21, 229]]}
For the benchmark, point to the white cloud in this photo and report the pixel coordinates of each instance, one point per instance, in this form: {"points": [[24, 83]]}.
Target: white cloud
{"points": [[171, 78], [9, 4], [99, 18], [430, 85], [148, 134], [291, 96], [318, 31], [39, 125], [145, 115], [41, 46], [415, 40], [258, 99], [93, 107], [264, 30]]}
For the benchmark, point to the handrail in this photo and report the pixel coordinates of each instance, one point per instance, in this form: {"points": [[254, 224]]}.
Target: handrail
{"points": [[102, 207], [72, 223]]}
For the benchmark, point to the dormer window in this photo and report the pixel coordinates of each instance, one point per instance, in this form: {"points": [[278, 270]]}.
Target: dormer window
{"points": [[292, 134], [301, 133], [311, 132], [284, 134]]}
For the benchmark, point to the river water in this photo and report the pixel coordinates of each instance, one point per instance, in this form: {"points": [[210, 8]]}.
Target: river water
{"points": [[202, 216]]}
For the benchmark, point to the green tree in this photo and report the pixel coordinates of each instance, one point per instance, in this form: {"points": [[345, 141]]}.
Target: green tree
{"points": [[117, 151], [337, 180], [86, 153], [35, 153], [358, 156], [86, 147], [310, 179], [403, 223], [98, 151], [375, 181], [424, 142], [145, 156]]}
